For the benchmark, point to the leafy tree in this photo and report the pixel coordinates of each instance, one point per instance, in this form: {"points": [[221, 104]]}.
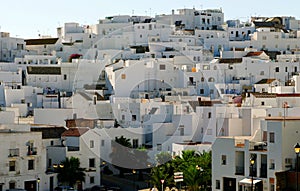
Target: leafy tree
{"points": [[196, 168], [71, 172], [163, 171]]}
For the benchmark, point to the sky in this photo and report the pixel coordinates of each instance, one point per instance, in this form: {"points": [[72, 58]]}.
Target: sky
{"points": [[28, 19]]}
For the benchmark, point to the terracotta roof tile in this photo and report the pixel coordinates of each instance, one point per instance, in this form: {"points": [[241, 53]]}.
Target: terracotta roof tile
{"points": [[265, 81], [75, 132], [250, 54]]}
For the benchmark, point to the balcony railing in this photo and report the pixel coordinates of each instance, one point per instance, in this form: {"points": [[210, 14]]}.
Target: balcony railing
{"points": [[32, 151], [14, 152]]}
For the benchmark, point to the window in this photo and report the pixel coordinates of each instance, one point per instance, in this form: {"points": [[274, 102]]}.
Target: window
{"points": [[286, 69], [218, 184], [272, 137], [262, 103], [92, 180], [65, 76], [211, 79], [91, 143], [264, 38], [159, 147], [209, 115], [202, 79], [12, 185], [12, 165], [123, 76], [276, 36], [272, 164], [262, 73], [288, 161], [162, 67], [102, 143], [92, 163], [30, 164], [223, 160], [201, 91], [181, 130], [135, 143], [141, 36], [277, 69], [133, 117]]}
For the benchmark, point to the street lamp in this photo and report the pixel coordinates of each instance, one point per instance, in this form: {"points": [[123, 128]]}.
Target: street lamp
{"points": [[200, 169], [101, 171], [252, 162], [297, 151], [38, 183], [133, 172], [162, 184]]}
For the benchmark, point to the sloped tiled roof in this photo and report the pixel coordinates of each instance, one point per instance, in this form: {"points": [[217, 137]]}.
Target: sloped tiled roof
{"points": [[49, 132], [265, 81], [42, 41], [264, 95], [75, 132], [250, 54]]}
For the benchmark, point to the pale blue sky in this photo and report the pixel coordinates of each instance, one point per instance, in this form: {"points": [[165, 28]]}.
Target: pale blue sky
{"points": [[28, 18]]}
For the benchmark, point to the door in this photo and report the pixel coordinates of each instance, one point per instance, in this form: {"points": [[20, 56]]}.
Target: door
{"points": [[229, 184]]}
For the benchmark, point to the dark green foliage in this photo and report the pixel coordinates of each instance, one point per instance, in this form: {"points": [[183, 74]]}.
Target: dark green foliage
{"points": [[71, 172]]}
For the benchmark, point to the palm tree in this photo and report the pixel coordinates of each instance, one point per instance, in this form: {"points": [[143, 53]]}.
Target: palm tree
{"points": [[70, 172]]}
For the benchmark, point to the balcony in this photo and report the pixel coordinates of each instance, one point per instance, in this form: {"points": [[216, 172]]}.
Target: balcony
{"points": [[14, 152], [258, 146], [32, 151]]}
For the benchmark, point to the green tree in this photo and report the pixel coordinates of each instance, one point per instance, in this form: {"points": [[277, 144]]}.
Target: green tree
{"points": [[196, 168], [164, 170], [71, 172]]}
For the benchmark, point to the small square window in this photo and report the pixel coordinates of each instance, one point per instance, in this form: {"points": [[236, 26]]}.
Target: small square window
{"points": [[162, 67], [92, 180], [91, 143], [272, 137], [123, 76], [92, 163], [218, 184], [30, 164], [12, 165], [223, 160]]}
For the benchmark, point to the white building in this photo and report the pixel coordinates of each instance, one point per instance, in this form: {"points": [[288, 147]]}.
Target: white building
{"points": [[22, 160], [272, 146]]}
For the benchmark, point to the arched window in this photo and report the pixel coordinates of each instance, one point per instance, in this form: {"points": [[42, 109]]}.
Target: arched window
{"points": [[202, 79], [211, 79]]}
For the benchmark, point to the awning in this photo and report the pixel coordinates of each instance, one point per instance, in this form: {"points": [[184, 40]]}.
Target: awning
{"points": [[249, 181]]}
